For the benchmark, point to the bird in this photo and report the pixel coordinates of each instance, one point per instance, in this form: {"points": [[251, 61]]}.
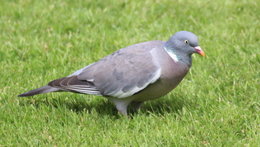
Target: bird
{"points": [[134, 74]]}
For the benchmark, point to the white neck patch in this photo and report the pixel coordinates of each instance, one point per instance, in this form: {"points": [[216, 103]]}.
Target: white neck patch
{"points": [[172, 55]]}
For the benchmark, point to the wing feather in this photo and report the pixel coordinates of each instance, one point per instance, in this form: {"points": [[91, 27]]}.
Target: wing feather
{"points": [[125, 72], [73, 84], [121, 74]]}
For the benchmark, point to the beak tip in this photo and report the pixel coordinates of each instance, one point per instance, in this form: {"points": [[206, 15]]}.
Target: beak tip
{"points": [[200, 51]]}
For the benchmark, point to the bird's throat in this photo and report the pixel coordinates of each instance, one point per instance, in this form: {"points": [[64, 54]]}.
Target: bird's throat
{"points": [[179, 57]]}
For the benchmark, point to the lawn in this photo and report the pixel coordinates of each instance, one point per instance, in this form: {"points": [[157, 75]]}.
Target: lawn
{"points": [[217, 104]]}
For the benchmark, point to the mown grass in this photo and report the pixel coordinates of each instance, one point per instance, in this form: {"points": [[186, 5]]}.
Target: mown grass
{"points": [[216, 105]]}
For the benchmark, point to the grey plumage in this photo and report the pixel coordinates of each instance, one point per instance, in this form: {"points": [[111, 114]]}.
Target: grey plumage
{"points": [[124, 70], [133, 74]]}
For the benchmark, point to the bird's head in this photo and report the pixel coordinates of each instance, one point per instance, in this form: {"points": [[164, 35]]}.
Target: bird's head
{"points": [[184, 42]]}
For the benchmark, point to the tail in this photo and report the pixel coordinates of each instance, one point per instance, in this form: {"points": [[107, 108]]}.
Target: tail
{"points": [[44, 89]]}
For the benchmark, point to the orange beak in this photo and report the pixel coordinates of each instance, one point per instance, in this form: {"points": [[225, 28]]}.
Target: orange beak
{"points": [[199, 51]]}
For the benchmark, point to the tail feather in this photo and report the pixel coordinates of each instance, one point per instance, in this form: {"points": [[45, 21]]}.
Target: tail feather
{"points": [[44, 89]]}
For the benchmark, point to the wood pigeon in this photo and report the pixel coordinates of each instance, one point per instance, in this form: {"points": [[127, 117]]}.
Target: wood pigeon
{"points": [[133, 74]]}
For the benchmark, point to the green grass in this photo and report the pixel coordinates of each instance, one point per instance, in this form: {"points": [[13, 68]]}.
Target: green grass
{"points": [[217, 104]]}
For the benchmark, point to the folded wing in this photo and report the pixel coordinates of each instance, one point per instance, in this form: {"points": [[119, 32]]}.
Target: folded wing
{"points": [[121, 74]]}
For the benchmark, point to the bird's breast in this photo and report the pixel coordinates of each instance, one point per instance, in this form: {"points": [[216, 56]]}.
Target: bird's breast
{"points": [[172, 74]]}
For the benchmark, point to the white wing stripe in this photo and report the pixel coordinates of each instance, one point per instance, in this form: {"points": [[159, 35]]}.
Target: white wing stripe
{"points": [[84, 91], [121, 94]]}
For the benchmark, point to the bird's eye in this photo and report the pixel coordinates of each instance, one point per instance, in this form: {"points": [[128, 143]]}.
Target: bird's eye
{"points": [[186, 41]]}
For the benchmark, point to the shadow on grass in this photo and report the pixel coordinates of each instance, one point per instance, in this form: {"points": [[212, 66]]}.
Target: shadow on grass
{"points": [[165, 105], [104, 107]]}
